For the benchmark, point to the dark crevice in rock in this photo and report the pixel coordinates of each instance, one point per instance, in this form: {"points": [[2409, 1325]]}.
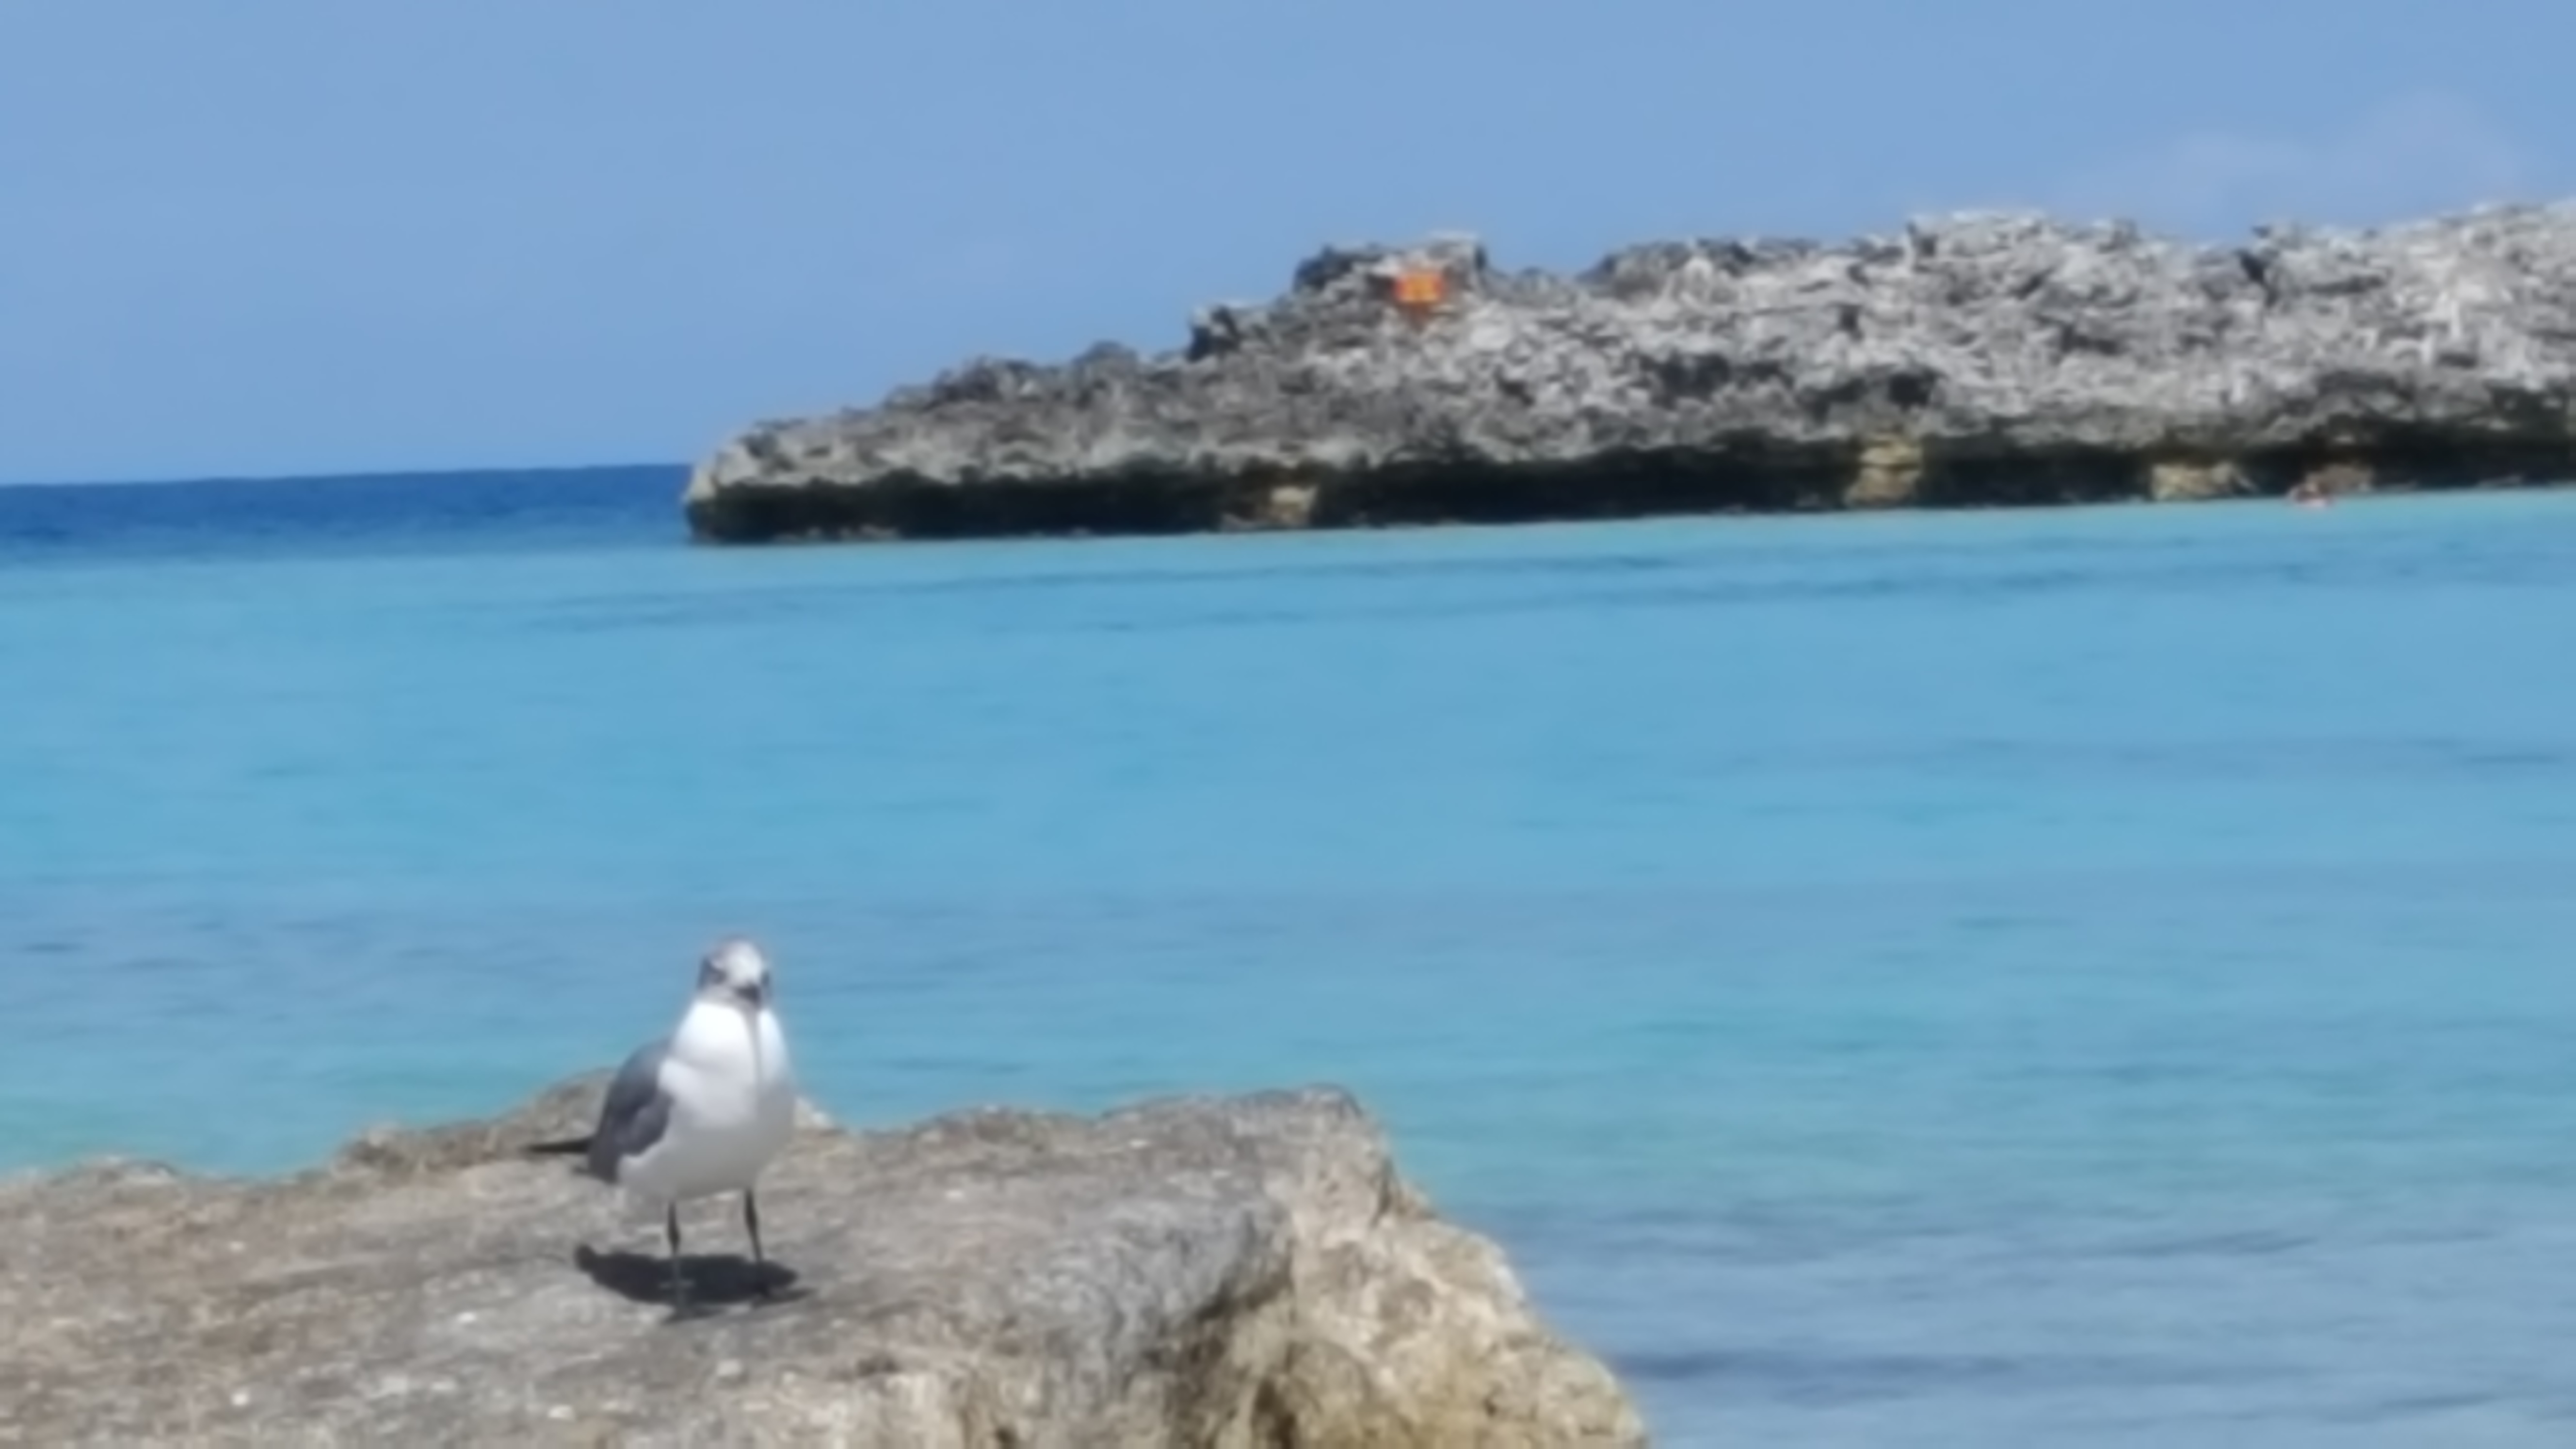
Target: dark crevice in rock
{"points": [[1619, 485]]}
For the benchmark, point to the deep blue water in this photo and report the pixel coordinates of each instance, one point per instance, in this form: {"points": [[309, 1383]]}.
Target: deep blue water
{"points": [[2080, 976]]}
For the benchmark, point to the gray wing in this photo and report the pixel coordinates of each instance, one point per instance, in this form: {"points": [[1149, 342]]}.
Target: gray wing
{"points": [[634, 1114]]}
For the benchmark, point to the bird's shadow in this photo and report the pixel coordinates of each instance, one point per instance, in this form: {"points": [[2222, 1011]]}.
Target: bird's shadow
{"points": [[717, 1281]]}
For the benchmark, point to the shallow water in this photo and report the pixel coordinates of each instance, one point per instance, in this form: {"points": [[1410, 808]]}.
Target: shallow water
{"points": [[2085, 976]]}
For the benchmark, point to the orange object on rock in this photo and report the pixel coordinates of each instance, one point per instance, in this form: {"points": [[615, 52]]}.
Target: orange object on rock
{"points": [[1420, 289]]}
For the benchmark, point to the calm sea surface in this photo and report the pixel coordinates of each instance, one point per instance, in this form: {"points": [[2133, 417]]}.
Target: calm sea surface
{"points": [[2099, 976]]}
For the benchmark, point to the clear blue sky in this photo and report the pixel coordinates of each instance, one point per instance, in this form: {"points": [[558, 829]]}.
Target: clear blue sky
{"points": [[266, 236]]}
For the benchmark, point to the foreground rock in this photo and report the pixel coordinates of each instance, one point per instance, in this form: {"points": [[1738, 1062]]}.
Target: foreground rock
{"points": [[1245, 1271], [1972, 359]]}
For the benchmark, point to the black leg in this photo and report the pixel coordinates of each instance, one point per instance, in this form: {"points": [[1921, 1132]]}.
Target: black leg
{"points": [[759, 1261], [679, 1281]]}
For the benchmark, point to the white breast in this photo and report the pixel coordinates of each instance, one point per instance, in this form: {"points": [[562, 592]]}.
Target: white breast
{"points": [[733, 1106], [735, 1046]]}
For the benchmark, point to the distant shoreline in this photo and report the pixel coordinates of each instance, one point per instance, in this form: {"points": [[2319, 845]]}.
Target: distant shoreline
{"points": [[1969, 361]]}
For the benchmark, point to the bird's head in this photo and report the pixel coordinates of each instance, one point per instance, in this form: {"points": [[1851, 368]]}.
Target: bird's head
{"points": [[735, 971]]}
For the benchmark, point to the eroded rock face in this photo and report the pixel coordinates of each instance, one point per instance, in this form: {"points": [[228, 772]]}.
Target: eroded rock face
{"points": [[1970, 359], [1245, 1271]]}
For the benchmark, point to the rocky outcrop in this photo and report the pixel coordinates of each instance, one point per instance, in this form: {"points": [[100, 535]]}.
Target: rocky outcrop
{"points": [[1247, 1271], [1970, 359]]}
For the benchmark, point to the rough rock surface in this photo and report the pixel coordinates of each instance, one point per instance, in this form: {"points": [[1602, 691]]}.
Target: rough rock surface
{"points": [[1246, 1271], [1971, 359]]}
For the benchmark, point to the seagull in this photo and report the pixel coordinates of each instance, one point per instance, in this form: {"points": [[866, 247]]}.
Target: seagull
{"points": [[703, 1111]]}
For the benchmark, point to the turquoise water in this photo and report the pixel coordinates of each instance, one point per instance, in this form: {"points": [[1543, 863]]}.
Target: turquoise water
{"points": [[2094, 976]]}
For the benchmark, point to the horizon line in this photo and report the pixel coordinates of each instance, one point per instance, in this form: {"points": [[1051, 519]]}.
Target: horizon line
{"points": [[338, 475]]}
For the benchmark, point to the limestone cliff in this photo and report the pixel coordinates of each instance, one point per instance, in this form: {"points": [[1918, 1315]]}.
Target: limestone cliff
{"points": [[1969, 359], [1247, 1271]]}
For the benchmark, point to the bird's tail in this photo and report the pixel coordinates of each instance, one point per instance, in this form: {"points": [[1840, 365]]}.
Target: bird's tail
{"points": [[561, 1146]]}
